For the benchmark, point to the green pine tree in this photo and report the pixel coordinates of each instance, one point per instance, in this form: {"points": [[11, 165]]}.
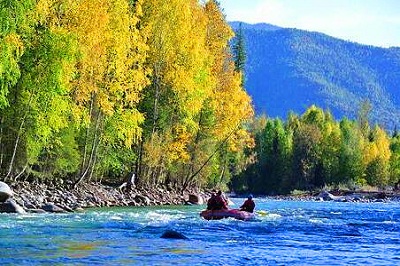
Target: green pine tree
{"points": [[239, 52]]}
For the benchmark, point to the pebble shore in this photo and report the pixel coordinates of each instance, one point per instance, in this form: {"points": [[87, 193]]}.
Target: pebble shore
{"points": [[51, 198]]}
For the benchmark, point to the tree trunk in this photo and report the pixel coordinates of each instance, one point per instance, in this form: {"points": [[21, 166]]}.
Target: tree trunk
{"points": [[92, 153], [21, 173], [221, 177], [93, 165], [87, 135], [11, 165], [190, 179], [96, 148], [1, 142], [139, 163], [156, 84], [193, 155]]}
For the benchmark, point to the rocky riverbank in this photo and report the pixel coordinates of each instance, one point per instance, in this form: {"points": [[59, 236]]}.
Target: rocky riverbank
{"points": [[24, 197], [344, 196], [51, 198]]}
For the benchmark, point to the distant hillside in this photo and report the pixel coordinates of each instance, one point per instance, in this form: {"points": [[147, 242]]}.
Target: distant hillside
{"points": [[290, 69]]}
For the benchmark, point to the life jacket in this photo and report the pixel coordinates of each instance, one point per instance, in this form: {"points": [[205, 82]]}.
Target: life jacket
{"points": [[220, 203], [248, 205], [211, 203]]}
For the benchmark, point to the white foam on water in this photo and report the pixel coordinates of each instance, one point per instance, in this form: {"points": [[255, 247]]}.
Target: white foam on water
{"points": [[156, 217], [116, 217], [273, 216], [316, 221], [389, 222], [7, 226]]}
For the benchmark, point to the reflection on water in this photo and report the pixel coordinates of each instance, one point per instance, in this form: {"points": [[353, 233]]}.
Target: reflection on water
{"points": [[284, 233], [78, 250]]}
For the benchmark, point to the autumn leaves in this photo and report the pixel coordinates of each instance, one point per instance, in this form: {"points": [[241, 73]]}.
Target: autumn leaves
{"points": [[99, 88]]}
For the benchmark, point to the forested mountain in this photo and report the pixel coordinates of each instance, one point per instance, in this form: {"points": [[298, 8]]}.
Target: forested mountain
{"points": [[291, 69]]}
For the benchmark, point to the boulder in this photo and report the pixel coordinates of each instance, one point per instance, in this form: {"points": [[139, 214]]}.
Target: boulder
{"points": [[195, 199], [171, 234], [326, 196], [5, 192], [50, 207], [142, 200], [10, 206], [36, 211]]}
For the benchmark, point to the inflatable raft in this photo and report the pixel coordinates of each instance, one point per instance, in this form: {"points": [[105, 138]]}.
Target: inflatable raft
{"points": [[221, 214]]}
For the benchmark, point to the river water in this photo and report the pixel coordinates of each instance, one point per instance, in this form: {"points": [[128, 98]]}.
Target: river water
{"points": [[284, 233]]}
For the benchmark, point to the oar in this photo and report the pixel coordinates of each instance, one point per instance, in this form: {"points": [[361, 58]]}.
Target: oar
{"points": [[262, 213]]}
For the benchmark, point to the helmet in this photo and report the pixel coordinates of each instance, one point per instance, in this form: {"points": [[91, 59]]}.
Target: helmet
{"points": [[250, 196]]}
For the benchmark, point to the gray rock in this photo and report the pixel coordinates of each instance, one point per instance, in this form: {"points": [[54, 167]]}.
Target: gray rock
{"points": [[171, 234], [142, 199], [195, 199], [132, 203], [5, 192], [50, 207], [326, 196], [10, 206], [36, 211], [68, 209]]}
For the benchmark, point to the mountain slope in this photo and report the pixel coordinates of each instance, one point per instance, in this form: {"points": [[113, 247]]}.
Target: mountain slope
{"points": [[290, 69]]}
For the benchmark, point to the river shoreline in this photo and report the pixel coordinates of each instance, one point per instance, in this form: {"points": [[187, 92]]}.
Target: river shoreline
{"points": [[51, 198], [339, 196], [40, 197]]}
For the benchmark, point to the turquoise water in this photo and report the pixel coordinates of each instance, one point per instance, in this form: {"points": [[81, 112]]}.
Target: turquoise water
{"points": [[284, 233]]}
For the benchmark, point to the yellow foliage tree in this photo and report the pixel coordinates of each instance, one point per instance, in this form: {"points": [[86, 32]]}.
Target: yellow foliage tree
{"points": [[229, 106], [110, 73], [180, 77], [376, 157]]}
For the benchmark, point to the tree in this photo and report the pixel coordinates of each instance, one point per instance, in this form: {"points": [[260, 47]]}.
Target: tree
{"points": [[276, 157], [306, 156], [351, 167], [40, 106], [179, 81], [15, 24], [377, 155], [363, 117], [239, 52], [329, 146], [15, 31], [395, 160], [110, 77], [93, 89]]}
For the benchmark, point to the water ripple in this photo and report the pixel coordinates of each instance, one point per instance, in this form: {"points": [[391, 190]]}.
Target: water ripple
{"points": [[284, 233]]}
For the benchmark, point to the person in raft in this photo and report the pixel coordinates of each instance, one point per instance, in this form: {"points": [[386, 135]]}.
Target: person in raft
{"points": [[248, 205], [211, 201], [217, 202], [220, 201]]}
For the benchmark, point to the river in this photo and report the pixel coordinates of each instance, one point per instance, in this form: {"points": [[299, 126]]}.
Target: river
{"points": [[284, 233]]}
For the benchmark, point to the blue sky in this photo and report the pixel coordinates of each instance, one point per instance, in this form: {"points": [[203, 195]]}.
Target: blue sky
{"points": [[373, 22]]}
